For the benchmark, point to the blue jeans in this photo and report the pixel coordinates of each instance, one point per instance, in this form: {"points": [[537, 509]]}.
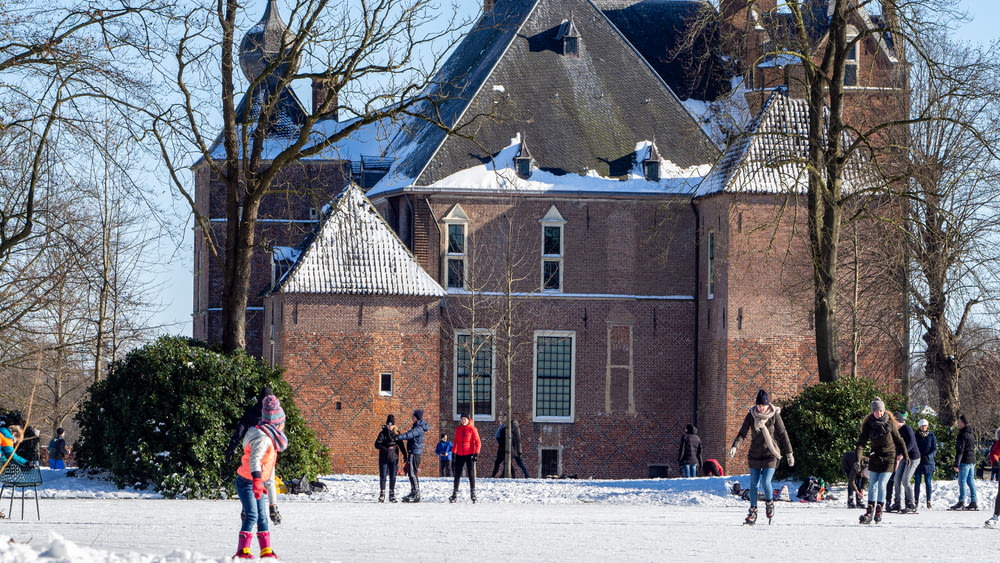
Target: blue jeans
{"points": [[763, 476], [924, 473], [878, 483], [967, 476], [690, 469], [57, 464], [254, 510]]}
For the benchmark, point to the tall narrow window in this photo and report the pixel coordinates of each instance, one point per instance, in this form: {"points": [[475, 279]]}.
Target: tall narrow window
{"points": [[552, 250], [456, 247], [851, 64], [385, 384], [711, 264], [554, 370], [474, 362]]}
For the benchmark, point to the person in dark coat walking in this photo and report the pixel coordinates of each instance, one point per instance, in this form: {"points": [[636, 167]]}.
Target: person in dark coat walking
{"points": [[515, 448], [388, 457], [414, 438], [768, 439], [906, 468], [880, 429], [499, 438], [965, 465], [927, 442], [857, 478], [689, 456]]}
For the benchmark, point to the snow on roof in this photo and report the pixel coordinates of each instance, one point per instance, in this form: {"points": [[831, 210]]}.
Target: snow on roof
{"points": [[355, 252], [499, 175], [770, 156], [780, 60]]}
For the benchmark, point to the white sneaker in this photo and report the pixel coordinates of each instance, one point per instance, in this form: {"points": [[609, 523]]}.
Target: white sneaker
{"points": [[992, 522]]}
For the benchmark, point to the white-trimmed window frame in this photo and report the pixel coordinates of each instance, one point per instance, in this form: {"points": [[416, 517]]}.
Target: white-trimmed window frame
{"points": [[553, 219], [456, 218], [491, 416], [572, 376], [852, 58], [392, 384]]}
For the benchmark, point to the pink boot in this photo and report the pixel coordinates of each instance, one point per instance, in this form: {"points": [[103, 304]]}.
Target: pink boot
{"points": [[243, 547], [264, 541]]}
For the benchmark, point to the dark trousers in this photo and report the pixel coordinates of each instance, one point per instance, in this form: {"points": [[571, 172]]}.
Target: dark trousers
{"points": [[387, 468], [414, 471], [444, 467], [516, 459], [462, 461]]}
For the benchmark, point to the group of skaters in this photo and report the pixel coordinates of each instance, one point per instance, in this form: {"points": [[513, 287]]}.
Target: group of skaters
{"points": [[897, 453]]}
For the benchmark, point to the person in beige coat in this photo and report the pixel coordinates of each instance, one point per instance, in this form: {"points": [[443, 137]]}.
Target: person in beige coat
{"points": [[768, 439]]}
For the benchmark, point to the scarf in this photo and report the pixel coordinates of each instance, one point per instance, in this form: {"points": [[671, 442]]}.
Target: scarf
{"points": [[878, 427], [278, 437], [760, 420]]}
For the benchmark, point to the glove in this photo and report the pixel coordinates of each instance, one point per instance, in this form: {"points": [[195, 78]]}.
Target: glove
{"points": [[791, 460], [275, 515], [732, 452], [258, 488]]}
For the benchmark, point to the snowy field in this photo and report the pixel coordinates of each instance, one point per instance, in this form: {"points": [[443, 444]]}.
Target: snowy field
{"points": [[520, 520]]}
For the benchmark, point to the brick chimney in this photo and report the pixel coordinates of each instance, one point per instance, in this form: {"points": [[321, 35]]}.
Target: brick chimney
{"points": [[320, 90]]}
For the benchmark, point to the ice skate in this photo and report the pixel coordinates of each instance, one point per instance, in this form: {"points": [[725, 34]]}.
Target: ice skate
{"points": [[878, 512], [769, 511], [971, 506], [992, 522], [866, 518], [751, 518]]}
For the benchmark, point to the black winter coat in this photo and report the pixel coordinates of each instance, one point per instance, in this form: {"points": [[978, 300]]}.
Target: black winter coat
{"points": [[690, 451], [515, 441], [385, 443], [910, 439], [885, 441], [965, 446]]}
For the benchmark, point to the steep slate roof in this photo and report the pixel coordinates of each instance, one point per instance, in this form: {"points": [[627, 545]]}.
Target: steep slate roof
{"points": [[769, 157], [656, 28], [355, 252], [581, 113]]}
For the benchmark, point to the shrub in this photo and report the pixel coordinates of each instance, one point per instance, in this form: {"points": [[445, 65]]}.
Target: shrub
{"points": [[165, 413], [823, 423]]}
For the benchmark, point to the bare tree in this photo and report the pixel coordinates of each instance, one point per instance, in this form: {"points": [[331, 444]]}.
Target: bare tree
{"points": [[954, 217], [368, 63]]}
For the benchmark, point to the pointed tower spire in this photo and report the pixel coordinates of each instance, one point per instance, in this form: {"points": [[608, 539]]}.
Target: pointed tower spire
{"points": [[262, 45]]}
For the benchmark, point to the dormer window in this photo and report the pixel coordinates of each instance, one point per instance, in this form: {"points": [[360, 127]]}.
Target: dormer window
{"points": [[651, 164], [570, 38], [522, 160], [851, 59]]}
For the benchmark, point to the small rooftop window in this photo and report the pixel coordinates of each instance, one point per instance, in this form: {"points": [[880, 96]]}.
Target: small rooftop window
{"points": [[651, 164], [570, 38], [522, 160]]}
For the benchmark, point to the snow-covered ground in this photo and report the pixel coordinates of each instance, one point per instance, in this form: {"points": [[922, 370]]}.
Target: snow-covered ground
{"points": [[520, 520]]}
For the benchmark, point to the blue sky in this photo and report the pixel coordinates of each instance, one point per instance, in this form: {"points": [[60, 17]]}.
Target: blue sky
{"points": [[177, 292]]}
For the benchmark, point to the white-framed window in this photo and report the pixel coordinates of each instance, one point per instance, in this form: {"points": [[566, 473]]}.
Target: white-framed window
{"points": [[552, 250], [385, 384], [555, 375], [851, 63], [710, 263], [456, 248], [475, 363]]}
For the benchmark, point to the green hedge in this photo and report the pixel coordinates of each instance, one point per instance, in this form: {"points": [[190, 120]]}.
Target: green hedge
{"points": [[824, 421], [165, 413]]}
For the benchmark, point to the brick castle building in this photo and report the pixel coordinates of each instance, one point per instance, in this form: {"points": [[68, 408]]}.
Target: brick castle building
{"points": [[604, 259]]}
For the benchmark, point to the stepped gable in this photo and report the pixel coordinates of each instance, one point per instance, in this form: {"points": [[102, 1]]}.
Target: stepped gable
{"points": [[656, 28], [770, 156], [583, 112], [355, 252]]}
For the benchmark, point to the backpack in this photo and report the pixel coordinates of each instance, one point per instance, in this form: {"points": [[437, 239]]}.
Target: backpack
{"points": [[811, 490]]}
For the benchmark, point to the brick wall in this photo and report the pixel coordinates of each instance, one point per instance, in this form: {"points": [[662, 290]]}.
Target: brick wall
{"points": [[333, 349]]}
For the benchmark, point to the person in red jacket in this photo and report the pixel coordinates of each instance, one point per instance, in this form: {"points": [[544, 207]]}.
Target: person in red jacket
{"points": [[466, 450]]}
